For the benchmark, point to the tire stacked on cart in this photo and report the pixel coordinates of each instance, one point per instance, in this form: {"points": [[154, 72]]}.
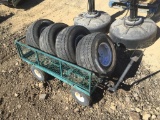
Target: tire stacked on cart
{"points": [[93, 51]]}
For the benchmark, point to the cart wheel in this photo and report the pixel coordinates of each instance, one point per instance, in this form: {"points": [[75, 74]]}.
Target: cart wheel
{"points": [[47, 38], [39, 74], [67, 41], [80, 97], [34, 31], [96, 52]]}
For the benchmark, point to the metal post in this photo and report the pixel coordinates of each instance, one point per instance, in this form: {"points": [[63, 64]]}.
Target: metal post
{"points": [[37, 58], [133, 59], [133, 9], [91, 6]]}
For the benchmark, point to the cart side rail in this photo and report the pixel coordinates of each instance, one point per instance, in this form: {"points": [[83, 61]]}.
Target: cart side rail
{"points": [[81, 78]]}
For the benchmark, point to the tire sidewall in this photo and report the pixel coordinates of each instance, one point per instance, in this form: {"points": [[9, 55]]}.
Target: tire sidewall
{"points": [[34, 31], [54, 30], [39, 26], [87, 99], [72, 35], [35, 75], [100, 68]]}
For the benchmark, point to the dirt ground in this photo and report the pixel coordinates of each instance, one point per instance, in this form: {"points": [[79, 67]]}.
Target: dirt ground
{"points": [[138, 97]]}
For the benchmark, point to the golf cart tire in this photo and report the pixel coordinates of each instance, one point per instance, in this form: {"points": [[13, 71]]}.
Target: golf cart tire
{"points": [[34, 31], [87, 53], [39, 74], [82, 99], [47, 38], [67, 41]]}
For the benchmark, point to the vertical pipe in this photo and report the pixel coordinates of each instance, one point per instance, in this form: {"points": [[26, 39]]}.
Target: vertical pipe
{"points": [[60, 65], [91, 6], [124, 74], [37, 57], [133, 9], [19, 50]]}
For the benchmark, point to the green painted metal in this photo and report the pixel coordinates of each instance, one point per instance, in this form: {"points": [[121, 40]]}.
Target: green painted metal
{"points": [[74, 75]]}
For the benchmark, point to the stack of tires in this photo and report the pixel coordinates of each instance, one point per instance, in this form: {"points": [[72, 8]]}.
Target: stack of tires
{"points": [[75, 44], [93, 51]]}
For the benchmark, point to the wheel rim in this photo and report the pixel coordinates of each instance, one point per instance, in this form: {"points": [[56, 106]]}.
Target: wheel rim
{"points": [[38, 74], [105, 54], [79, 97]]}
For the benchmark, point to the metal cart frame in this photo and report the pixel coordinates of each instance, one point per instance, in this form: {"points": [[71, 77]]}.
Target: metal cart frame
{"points": [[74, 75]]}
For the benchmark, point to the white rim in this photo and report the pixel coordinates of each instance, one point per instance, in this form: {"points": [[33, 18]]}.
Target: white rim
{"points": [[79, 97], [38, 74]]}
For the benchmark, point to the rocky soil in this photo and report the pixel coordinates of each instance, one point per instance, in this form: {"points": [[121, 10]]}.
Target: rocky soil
{"points": [[24, 98]]}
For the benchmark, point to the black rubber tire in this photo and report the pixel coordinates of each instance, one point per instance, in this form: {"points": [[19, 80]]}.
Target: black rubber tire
{"points": [[47, 38], [43, 76], [87, 53], [87, 99], [34, 31], [67, 41]]}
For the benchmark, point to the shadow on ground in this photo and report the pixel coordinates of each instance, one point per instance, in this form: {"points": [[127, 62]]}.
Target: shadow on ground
{"points": [[117, 14], [158, 31], [123, 59], [98, 94], [156, 17], [113, 18], [3, 18], [128, 87], [27, 4]]}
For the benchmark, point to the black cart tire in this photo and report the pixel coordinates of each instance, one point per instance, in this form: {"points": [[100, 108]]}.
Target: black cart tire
{"points": [[80, 97], [34, 31], [97, 53], [67, 41], [47, 38], [39, 74]]}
